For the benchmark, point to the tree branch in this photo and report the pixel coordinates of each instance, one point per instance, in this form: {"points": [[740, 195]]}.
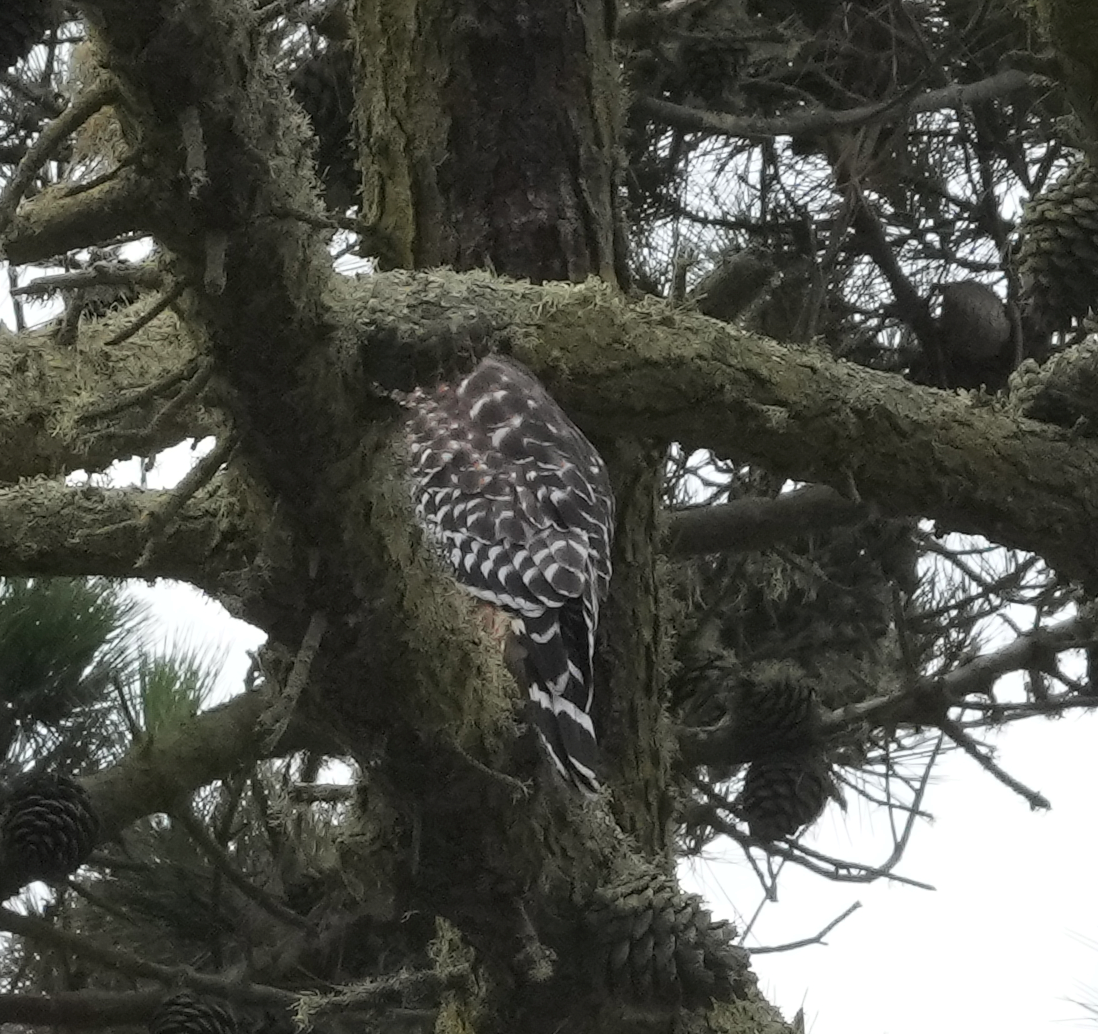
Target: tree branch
{"points": [[62, 219], [817, 122], [804, 942], [161, 771], [41, 932], [83, 407], [75, 115], [80, 1008], [753, 523], [1036, 801], [1029, 650], [676, 376], [48, 528]]}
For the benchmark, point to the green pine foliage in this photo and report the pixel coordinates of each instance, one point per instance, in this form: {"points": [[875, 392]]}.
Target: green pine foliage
{"points": [[63, 644]]}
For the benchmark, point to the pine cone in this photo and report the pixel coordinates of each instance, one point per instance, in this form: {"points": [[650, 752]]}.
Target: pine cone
{"points": [[1058, 257], [47, 828], [22, 24], [188, 1013], [658, 942], [974, 324], [775, 711], [782, 793]]}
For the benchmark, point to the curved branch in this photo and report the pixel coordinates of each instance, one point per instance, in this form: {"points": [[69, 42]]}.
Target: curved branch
{"points": [[824, 120]]}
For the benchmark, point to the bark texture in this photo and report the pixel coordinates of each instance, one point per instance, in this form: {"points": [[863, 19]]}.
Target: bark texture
{"points": [[491, 134]]}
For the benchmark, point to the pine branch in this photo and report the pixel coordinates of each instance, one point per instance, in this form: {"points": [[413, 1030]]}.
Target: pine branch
{"points": [[80, 1009], [220, 859], [823, 120], [40, 932], [756, 523], [48, 528]]}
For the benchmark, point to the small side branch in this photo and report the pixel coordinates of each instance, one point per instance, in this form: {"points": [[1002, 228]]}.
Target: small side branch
{"points": [[71, 119], [748, 524], [371, 995], [282, 708], [817, 939], [224, 864], [41, 932], [199, 475], [146, 317], [824, 120], [957, 735], [143, 395]]}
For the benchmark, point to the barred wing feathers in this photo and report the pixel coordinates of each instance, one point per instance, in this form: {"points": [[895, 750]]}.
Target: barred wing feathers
{"points": [[519, 505]]}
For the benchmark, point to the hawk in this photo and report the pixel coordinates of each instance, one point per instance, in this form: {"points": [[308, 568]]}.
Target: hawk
{"points": [[518, 505]]}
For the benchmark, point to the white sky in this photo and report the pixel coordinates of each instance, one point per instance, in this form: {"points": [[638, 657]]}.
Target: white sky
{"points": [[999, 946]]}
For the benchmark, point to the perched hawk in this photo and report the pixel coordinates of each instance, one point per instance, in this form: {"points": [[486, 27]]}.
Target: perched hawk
{"points": [[518, 504]]}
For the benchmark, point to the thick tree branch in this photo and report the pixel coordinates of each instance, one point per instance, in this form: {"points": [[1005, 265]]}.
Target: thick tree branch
{"points": [[64, 218], [80, 1008], [66, 408], [679, 377], [755, 523], [43, 149], [48, 528], [166, 769]]}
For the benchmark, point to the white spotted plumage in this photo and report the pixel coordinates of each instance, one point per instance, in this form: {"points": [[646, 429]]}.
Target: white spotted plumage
{"points": [[518, 504]]}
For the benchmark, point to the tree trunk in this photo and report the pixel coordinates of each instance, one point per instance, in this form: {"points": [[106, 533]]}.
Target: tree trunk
{"points": [[490, 135]]}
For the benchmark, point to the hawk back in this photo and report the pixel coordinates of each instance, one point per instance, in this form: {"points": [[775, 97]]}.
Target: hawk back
{"points": [[518, 504]]}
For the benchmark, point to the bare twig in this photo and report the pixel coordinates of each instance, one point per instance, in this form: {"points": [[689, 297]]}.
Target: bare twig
{"points": [[224, 864], [199, 475], [823, 120], [1036, 801], [154, 310], [146, 394], [817, 939], [281, 709]]}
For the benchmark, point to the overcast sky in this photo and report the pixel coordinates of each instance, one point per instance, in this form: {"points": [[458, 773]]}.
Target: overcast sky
{"points": [[1000, 945]]}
